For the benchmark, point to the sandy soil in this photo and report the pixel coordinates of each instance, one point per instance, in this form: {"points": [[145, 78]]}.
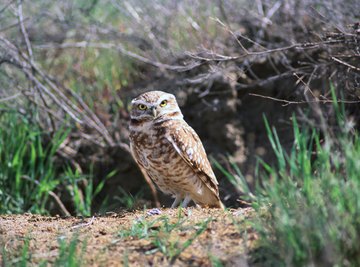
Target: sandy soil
{"points": [[113, 240]]}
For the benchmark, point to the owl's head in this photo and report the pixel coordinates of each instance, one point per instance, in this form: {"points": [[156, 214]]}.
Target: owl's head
{"points": [[155, 105]]}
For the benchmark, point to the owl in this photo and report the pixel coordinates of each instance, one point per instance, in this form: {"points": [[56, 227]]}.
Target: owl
{"points": [[169, 152]]}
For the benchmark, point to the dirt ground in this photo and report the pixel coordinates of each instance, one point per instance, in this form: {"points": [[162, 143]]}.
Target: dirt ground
{"points": [[177, 237]]}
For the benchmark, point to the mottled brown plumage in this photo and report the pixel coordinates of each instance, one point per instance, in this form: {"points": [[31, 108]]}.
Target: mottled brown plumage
{"points": [[169, 152]]}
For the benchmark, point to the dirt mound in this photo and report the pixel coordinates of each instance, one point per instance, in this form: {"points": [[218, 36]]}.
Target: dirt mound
{"points": [[180, 237]]}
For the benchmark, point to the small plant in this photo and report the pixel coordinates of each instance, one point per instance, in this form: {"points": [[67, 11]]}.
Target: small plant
{"points": [[143, 228], [127, 199], [173, 247], [160, 232], [139, 229], [84, 195], [69, 254]]}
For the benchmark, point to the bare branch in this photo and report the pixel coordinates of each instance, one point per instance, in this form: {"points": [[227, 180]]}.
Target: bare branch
{"points": [[52, 194], [321, 101], [345, 64], [10, 97], [6, 6], [217, 57], [23, 31], [84, 224], [227, 28]]}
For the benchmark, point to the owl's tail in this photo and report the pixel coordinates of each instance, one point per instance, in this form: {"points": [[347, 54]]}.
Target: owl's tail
{"points": [[216, 204], [209, 200]]}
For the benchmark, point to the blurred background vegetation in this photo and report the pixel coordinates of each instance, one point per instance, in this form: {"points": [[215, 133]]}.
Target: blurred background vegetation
{"points": [[68, 70]]}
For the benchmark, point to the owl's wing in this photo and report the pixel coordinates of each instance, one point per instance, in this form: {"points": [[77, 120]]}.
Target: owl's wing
{"points": [[188, 145]]}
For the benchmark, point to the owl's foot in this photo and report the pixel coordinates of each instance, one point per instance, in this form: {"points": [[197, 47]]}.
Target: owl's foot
{"points": [[176, 201], [186, 201]]}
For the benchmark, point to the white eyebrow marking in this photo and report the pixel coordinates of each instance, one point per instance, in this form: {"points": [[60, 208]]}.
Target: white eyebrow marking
{"points": [[133, 102], [166, 96]]}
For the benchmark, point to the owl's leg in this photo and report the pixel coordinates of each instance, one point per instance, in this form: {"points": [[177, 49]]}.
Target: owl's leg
{"points": [[176, 201], [186, 201]]}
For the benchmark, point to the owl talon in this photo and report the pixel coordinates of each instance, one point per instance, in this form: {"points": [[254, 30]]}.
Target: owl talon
{"points": [[176, 202], [186, 202]]}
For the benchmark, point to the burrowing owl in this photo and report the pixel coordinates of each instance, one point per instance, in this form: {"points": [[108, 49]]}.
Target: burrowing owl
{"points": [[169, 152]]}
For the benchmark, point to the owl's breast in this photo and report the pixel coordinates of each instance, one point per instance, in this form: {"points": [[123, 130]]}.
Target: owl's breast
{"points": [[162, 162], [161, 153], [152, 147]]}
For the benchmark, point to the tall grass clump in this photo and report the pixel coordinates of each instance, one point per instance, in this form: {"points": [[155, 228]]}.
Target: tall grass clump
{"points": [[308, 202], [27, 170], [312, 198]]}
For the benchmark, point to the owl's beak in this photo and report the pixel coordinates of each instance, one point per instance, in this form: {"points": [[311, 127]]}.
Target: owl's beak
{"points": [[153, 111]]}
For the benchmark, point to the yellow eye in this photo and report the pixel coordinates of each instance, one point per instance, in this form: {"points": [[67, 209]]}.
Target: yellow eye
{"points": [[142, 107], [163, 103]]}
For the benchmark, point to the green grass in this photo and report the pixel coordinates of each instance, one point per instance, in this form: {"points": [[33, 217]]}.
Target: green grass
{"points": [[308, 205], [27, 170], [70, 255], [127, 200], [82, 189], [144, 228], [159, 232], [29, 175], [314, 200]]}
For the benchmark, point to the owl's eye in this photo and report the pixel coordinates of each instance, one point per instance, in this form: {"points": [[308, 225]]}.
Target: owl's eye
{"points": [[142, 107], [163, 103]]}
